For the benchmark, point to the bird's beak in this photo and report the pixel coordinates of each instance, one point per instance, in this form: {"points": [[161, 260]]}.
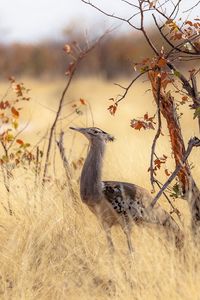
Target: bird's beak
{"points": [[77, 129]]}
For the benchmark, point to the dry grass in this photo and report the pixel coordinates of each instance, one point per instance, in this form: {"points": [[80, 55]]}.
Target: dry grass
{"points": [[54, 248]]}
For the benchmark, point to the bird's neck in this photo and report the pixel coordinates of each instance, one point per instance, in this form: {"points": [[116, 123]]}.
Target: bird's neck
{"points": [[90, 184]]}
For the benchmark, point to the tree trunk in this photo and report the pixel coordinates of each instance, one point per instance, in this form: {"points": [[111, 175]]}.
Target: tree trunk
{"points": [[188, 186]]}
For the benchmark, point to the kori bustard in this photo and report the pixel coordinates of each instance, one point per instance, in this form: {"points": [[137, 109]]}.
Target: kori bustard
{"points": [[115, 202]]}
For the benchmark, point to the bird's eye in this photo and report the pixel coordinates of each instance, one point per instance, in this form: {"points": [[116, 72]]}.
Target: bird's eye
{"points": [[95, 131]]}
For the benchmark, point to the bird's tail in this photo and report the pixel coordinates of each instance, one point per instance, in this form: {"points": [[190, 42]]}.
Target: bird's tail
{"points": [[158, 215]]}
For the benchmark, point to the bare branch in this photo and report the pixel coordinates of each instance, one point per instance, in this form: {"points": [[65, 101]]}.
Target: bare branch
{"points": [[174, 209], [176, 8], [153, 147], [111, 15], [129, 86], [81, 55], [63, 156], [152, 46], [129, 3], [197, 96], [191, 8], [185, 82]]}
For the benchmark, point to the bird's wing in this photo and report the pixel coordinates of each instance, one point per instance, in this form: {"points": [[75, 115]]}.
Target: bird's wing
{"points": [[131, 199], [127, 198], [125, 190]]}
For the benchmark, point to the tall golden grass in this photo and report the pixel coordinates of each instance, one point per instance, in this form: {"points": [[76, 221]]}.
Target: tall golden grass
{"points": [[54, 248]]}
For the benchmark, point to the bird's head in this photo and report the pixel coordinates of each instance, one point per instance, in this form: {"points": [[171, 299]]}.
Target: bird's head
{"points": [[94, 134]]}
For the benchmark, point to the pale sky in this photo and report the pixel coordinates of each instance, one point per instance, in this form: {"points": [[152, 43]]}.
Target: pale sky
{"points": [[34, 20]]}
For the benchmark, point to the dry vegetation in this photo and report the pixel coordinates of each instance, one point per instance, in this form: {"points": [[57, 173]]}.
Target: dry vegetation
{"points": [[54, 248]]}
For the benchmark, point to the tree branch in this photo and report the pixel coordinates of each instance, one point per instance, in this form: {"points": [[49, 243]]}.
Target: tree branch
{"points": [[129, 86], [191, 8], [153, 147], [193, 142], [110, 15]]}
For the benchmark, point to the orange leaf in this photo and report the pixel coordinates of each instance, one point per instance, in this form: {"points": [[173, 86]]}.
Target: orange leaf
{"points": [[82, 101], [189, 23], [184, 98], [15, 112], [137, 124], [162, 62], [112, 109], [20, 142], [167, 172]]}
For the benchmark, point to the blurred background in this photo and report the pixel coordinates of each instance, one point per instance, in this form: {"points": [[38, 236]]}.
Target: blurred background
{"points": [[32, 35]]}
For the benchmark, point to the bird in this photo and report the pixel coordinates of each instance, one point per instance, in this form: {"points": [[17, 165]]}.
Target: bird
{"points": [[115, 202]]}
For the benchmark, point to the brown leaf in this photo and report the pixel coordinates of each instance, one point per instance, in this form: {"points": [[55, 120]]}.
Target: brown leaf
{"points": [[20, 142], [112, 109], [136, 124], [157, 162], [15, 112], [189, 23], [167, 172], [18, 89], [162, 62], [82, 101], [185, 98], [146, 117]]}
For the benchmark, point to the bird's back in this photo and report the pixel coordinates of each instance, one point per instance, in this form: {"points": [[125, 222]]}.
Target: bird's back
{"points": [[130, 200]]}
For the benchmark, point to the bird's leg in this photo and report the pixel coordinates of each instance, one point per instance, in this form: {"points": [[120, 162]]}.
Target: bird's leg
{"points": [[127, 230], [107, 229], [129, 242]]}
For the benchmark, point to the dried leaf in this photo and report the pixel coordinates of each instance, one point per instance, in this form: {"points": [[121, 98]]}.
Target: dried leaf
{"points": [[112, 109], [136, 124], [15, 112], [162, 62], [82, 101], [189, 23], [20, 142], [167, 172], [146, 117]]}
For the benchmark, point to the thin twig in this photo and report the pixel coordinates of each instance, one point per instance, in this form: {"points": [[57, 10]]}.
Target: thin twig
{"points": [[193, 142], [129, 86], [81, 55], [191, 8], [110, 15], [153, 147]]}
